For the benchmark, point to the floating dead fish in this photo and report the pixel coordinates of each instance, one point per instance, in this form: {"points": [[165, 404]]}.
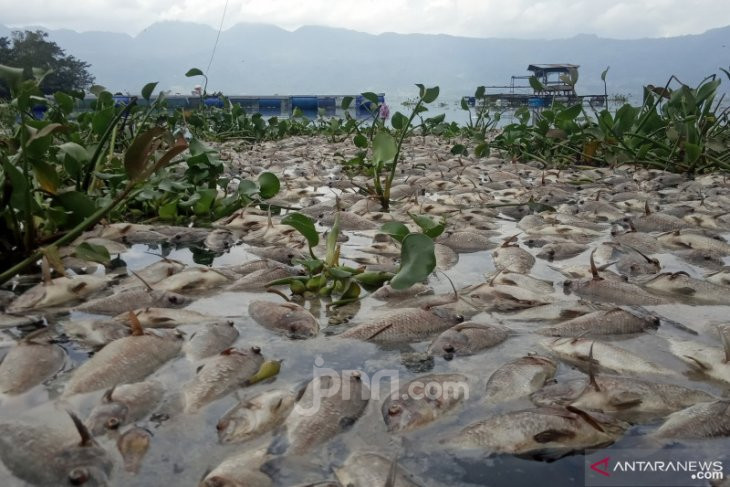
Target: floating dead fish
{"points": [[713, 362], [405, 324], [29, 363], [510, 257], [615, 321], [289, 318], [257, 280], [552, 312], [466, 242], [193, 279], [637, 264], [519, 378], [693, 240], [44, 456], [348, 221], [125, 404], [446, 258], [323, 411], [211, 339], [131, 299], [545, 432], [58, 292], [495, 297], [219, 240], [364, 469], [151, 274], [658, 222], [283, 255], [680, 284], [387, 293], [255, 416], [129, 359], [560, 251], [721, 277], [423, 401], [133, 445], [708, 259], [467, 338], [221, 375], [605, 357], [703, 420], [164, 317], [239, 470]]}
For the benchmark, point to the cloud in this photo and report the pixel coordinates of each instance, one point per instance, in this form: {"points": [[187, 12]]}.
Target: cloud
{"points": [[473, 18]]}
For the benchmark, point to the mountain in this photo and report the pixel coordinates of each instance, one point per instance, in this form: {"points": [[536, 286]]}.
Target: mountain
{"points": [[264, 59]]}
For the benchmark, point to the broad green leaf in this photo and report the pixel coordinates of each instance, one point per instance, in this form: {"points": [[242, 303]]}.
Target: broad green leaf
{"points": [[397, 230], [346, 102], [75, 151], [78, 204], [464, 104], [138, 153], [692, 152], [304, 225], [384, 148], [399, 121], [203, 204], [47, 176], [194, 72], [535, 84], [269, 185], [431, 94], [373, 278], [64, 101], [93, 253], [148, 89], [604, 73], [340, 272], [360, 141], [370, 96], [168, 211], [101, 119], [247, 188], [481, 90], [459, 150], [429, 227], [19, 185], [12, 77], [570, 113], [417, 261], [97, 90], [421, 90]]}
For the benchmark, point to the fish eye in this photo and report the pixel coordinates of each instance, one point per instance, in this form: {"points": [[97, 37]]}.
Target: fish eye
{"points": [[459, 318], [220, 426], [394, 409], [172, 299], [449, 348], [356, 375], [256, 349], [78, 476], [113, 423]]}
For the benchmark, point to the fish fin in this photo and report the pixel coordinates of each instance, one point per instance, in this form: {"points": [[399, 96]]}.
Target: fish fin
{"points": [[46, 271], [107, 397], [587, 417], [592, 369], [86, 438], [699, 363], [625, 400], [510, 240], [594, 270], [143, 281], [549, 436], [135, 325], [78, 287]]}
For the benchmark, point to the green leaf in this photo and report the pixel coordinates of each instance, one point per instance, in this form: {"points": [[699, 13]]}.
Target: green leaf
{"points": [[97, 90], [570, 113], [65, 102], [481, 150], [148, 89], [464, 104], [194, 72], [47, 176], [93, 253], [138, 153], [481, 90], [431, 94], [360, 141], [247, 188], [339, 272], [304, 225], [75, 151], [417, 261], [459, 150], [77, 204], [384, 148], [168, 211], [101, 119], [397, 230], [604, 73], [370, 96], [535, 84], [429, 227], [346, 102], [269, 185], [12, 77], [399, 121], [421, 90], [203, 204], [692, 152]]}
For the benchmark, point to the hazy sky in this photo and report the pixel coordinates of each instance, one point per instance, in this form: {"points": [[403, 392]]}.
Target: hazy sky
{"points": [[474, 18]]}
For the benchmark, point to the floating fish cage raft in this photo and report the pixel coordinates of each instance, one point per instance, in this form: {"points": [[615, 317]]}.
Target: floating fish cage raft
{"points": [[555, 88], [310, 106]]}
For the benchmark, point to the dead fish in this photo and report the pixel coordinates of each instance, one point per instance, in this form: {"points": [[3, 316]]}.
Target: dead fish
{"points": [[283, 255], [721, 277], [365, 469], [693, 240], [523, 281], [566, 231], [615, 321], [605, 357], [164, 317], [29, 363], [423, 401], [221, 375], [496, 297], [324, 411], [252, 417], [713, 362], [257, 280], [709, 259], [405, 324], [151, 274], [467, 338], [628, 397], [560, 251], [133, 445], [210, 340], [680, 284], [11, 321], [703, 420], [519, 378], [545, 432], [131, 299], [348, 221], [129, 359], [658, 222], [95, 333], [195, 278], [289, 318], [446, 258], [182, 235], [643, 242], [552, 312], [125, 404], [387, 293], [510, 257], [637, 264], [464, 242], [254, 265], [58, 292], [239, 470], [44, 456], [219, 240]]}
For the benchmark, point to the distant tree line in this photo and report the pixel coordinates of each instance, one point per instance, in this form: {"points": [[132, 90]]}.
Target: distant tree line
{"points": [[32, 49]]}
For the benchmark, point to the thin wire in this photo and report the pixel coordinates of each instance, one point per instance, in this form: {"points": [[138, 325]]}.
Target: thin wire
{"points": [[215, 46]]}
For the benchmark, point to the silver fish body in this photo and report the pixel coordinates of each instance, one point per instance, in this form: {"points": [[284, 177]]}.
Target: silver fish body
{"points": [[289, 318], [255, 416], [467, 338], [519, 377]]}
